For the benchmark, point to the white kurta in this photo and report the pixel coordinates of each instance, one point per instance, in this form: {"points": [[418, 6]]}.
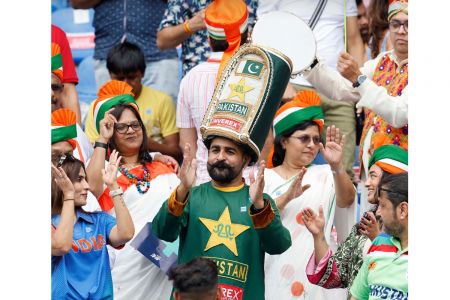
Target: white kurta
{"points": [[284, 271], [134, 276]]}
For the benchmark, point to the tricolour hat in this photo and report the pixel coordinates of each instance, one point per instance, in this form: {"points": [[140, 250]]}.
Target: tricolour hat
{"points": [[304, 107], [246, 97], [57, 67], [64, 126], [112, 93], [227, 20], [390, 158], [396, 6]]}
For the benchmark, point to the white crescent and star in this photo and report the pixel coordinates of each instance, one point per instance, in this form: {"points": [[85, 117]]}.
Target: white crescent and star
{"points": [[250, 68]]}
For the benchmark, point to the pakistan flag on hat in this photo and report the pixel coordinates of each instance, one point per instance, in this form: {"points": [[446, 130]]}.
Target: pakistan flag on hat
{"points": [[246, 97], [112, 93]]}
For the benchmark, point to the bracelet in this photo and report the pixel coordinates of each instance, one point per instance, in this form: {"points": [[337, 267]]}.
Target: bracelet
{"points": [[101, 145], [68, 199], [115, 193], [187, 28]]}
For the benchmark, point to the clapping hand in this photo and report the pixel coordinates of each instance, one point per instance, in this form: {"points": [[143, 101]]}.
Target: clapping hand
{"points": [[295, 190], [187, 172], [110, 174], [333, 151], [368, 226], [63, 182], [257, 186], [313, 222]]}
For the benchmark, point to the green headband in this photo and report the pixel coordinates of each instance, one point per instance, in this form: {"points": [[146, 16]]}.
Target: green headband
{"points": [[63, 133], [303, 115], [392, 152], [56, 62], [110, 103]]}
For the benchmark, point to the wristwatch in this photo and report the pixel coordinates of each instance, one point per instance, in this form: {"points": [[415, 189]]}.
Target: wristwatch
{"points": [[359, 80], [101, 145]]}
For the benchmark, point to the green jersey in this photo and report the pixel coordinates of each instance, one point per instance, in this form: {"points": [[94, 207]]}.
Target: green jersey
{"points": [[384, 273], [218, 224]]}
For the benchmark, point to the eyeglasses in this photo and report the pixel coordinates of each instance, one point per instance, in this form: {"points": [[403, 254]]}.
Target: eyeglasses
{"points": [[65, 157], [123, 128], [57, 87], [395, 25], [306, 139]]}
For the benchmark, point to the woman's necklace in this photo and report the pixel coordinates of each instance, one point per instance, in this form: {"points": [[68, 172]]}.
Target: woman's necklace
{"points": [[142, 184]]}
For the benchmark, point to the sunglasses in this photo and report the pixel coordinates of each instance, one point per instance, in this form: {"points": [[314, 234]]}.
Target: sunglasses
{"points": [[123, 127], [306, 139], [56, 87], [65, 157]]}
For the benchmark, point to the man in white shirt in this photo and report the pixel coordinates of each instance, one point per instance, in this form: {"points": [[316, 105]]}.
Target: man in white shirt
{"points": [[330, 42]]}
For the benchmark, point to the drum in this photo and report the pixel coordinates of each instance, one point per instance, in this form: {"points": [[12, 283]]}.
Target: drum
{"points": [[288, 34], [247, 96]]}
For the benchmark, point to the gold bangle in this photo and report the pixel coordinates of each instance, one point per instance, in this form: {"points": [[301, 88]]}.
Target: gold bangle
{"points": [[69, 199], [187, 28]]}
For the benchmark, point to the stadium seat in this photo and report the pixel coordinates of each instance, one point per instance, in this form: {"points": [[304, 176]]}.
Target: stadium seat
{"points": [[59, 4], [87, 86], [77, 23]]}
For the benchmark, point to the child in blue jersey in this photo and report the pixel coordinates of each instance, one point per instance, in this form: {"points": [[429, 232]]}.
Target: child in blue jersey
{"points": [[80, 262]]}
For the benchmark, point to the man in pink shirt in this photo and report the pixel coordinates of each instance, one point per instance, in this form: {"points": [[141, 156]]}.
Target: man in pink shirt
{"points": [[197, 87]]}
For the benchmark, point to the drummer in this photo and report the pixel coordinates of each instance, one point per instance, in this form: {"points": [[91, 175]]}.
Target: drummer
{"points": [[380, 86], [226, 22]]}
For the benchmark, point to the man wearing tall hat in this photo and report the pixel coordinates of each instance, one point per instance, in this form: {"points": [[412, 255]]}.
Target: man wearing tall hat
{"points": [[380, 87], [224, 219], [226, 23]]}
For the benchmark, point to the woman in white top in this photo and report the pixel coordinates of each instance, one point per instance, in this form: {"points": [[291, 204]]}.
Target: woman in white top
{"points": [[296, 184]]}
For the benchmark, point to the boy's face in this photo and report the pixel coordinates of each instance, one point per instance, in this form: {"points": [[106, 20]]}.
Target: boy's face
{"points": [[133, 79]]}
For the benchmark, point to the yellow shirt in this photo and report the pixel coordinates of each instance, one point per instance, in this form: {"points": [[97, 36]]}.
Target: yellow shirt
{"points": [[157, 112]]}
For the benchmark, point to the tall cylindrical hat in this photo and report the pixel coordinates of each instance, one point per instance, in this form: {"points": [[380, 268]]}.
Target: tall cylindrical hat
{"points": [[246, 97]]}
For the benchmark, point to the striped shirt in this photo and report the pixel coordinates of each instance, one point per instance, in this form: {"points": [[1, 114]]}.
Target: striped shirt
{"points": [[196, 90], [384, 273]]}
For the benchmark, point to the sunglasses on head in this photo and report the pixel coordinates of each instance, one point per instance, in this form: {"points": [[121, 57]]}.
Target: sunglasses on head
{"points": [[65, 157]]}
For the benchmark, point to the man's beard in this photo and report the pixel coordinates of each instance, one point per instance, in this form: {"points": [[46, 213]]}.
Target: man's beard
{"points": [[395, 229], [222, 172]]}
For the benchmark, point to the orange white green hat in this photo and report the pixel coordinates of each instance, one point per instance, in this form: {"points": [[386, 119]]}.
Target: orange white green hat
{"points": [[396, 6], [112, 93], [227, 20], [390, 158], [57, 67], [64, 126], [304, 107]]}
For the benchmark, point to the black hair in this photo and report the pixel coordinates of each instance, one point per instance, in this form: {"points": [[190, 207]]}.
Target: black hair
{"points": [[200, 275], [279, 152], [395, 186], [125, 58], [358, 2], [144, 155], [222, 45], [71, 167]]}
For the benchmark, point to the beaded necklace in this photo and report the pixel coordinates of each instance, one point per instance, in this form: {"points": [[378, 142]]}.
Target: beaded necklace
{"points": [[142, 184]]}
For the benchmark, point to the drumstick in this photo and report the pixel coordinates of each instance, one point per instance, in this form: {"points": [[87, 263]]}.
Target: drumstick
{"points": [[345, 25]]}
